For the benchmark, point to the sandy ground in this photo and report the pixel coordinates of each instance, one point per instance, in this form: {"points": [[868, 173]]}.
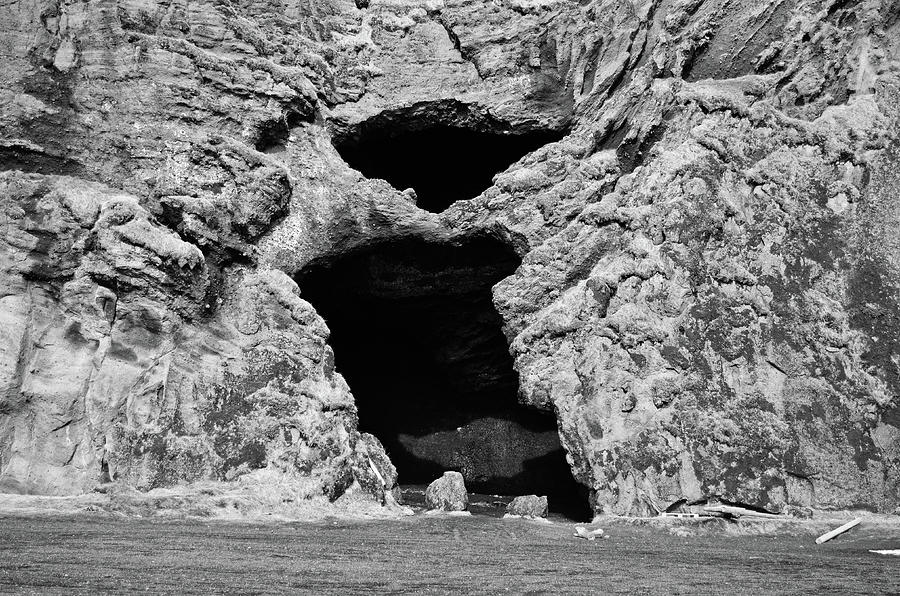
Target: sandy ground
{"points": [[86, 553]]}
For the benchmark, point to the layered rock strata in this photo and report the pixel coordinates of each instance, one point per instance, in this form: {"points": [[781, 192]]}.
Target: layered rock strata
{"points": [[708, 298]]}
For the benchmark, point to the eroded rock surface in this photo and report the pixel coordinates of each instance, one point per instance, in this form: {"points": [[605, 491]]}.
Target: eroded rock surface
{"points": [[447, 493], [709, 294], [528, 506]]}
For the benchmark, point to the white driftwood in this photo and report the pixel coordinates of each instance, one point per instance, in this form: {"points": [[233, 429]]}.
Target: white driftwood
{"points": [[739, 511], [838, 531], [893, 553], [582, 532]]}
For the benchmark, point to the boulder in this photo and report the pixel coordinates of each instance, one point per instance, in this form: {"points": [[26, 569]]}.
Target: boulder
{"points": [[447, 493], [528, 506]]}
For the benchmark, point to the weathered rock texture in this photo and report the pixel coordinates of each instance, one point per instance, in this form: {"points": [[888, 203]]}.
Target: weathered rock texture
{"points": [[528, 506], [709, 298], [447, 493]]}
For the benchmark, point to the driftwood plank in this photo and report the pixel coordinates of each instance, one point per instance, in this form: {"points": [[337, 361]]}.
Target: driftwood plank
{"points": [[739, 512], [838, 531]]}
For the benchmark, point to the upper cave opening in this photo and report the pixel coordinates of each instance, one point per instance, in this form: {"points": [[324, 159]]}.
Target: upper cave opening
{"points": [[442, 161], [416, 335]]}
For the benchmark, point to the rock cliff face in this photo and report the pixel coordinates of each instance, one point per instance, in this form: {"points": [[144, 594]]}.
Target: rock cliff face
{"points": [[703, 195]]}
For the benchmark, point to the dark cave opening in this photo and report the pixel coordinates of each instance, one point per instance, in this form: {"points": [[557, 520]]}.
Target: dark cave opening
{"points": [[416, 336], [443, 163]]}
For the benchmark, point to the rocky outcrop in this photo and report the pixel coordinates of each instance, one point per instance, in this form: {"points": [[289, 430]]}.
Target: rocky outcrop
{"points": [[528, 506], [117, 366], [447, 493], [699, 328], [708, 298]]}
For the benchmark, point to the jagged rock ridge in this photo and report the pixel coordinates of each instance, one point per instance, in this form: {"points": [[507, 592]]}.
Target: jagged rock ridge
{"points": [[708, 295]]}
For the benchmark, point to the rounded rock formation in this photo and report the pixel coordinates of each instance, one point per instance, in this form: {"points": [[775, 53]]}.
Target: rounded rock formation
{"points": [[447, 493], [528, 506]]}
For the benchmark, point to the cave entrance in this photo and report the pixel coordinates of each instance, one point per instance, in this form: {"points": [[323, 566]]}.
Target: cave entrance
{"points": [[416, 335], [442, 161]]}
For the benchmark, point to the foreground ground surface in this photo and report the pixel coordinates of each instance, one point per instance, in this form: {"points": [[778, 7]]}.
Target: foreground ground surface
{"points": [[92, 553]]}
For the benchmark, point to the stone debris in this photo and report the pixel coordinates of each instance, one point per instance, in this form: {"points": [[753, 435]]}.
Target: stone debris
{"points": [[528, 506], [447, 493]]}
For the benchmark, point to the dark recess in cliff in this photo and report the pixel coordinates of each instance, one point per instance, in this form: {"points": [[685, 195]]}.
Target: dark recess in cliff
{"points": [[442, 161], [416, 335]]}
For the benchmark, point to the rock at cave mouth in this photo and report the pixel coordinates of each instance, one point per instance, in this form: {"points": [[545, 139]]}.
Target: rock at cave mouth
{"points": [[447, 493], [528, 506]]}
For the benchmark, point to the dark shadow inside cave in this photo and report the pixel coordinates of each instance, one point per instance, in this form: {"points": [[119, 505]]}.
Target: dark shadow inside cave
{"points": [[441, 162], [416, 335]]}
